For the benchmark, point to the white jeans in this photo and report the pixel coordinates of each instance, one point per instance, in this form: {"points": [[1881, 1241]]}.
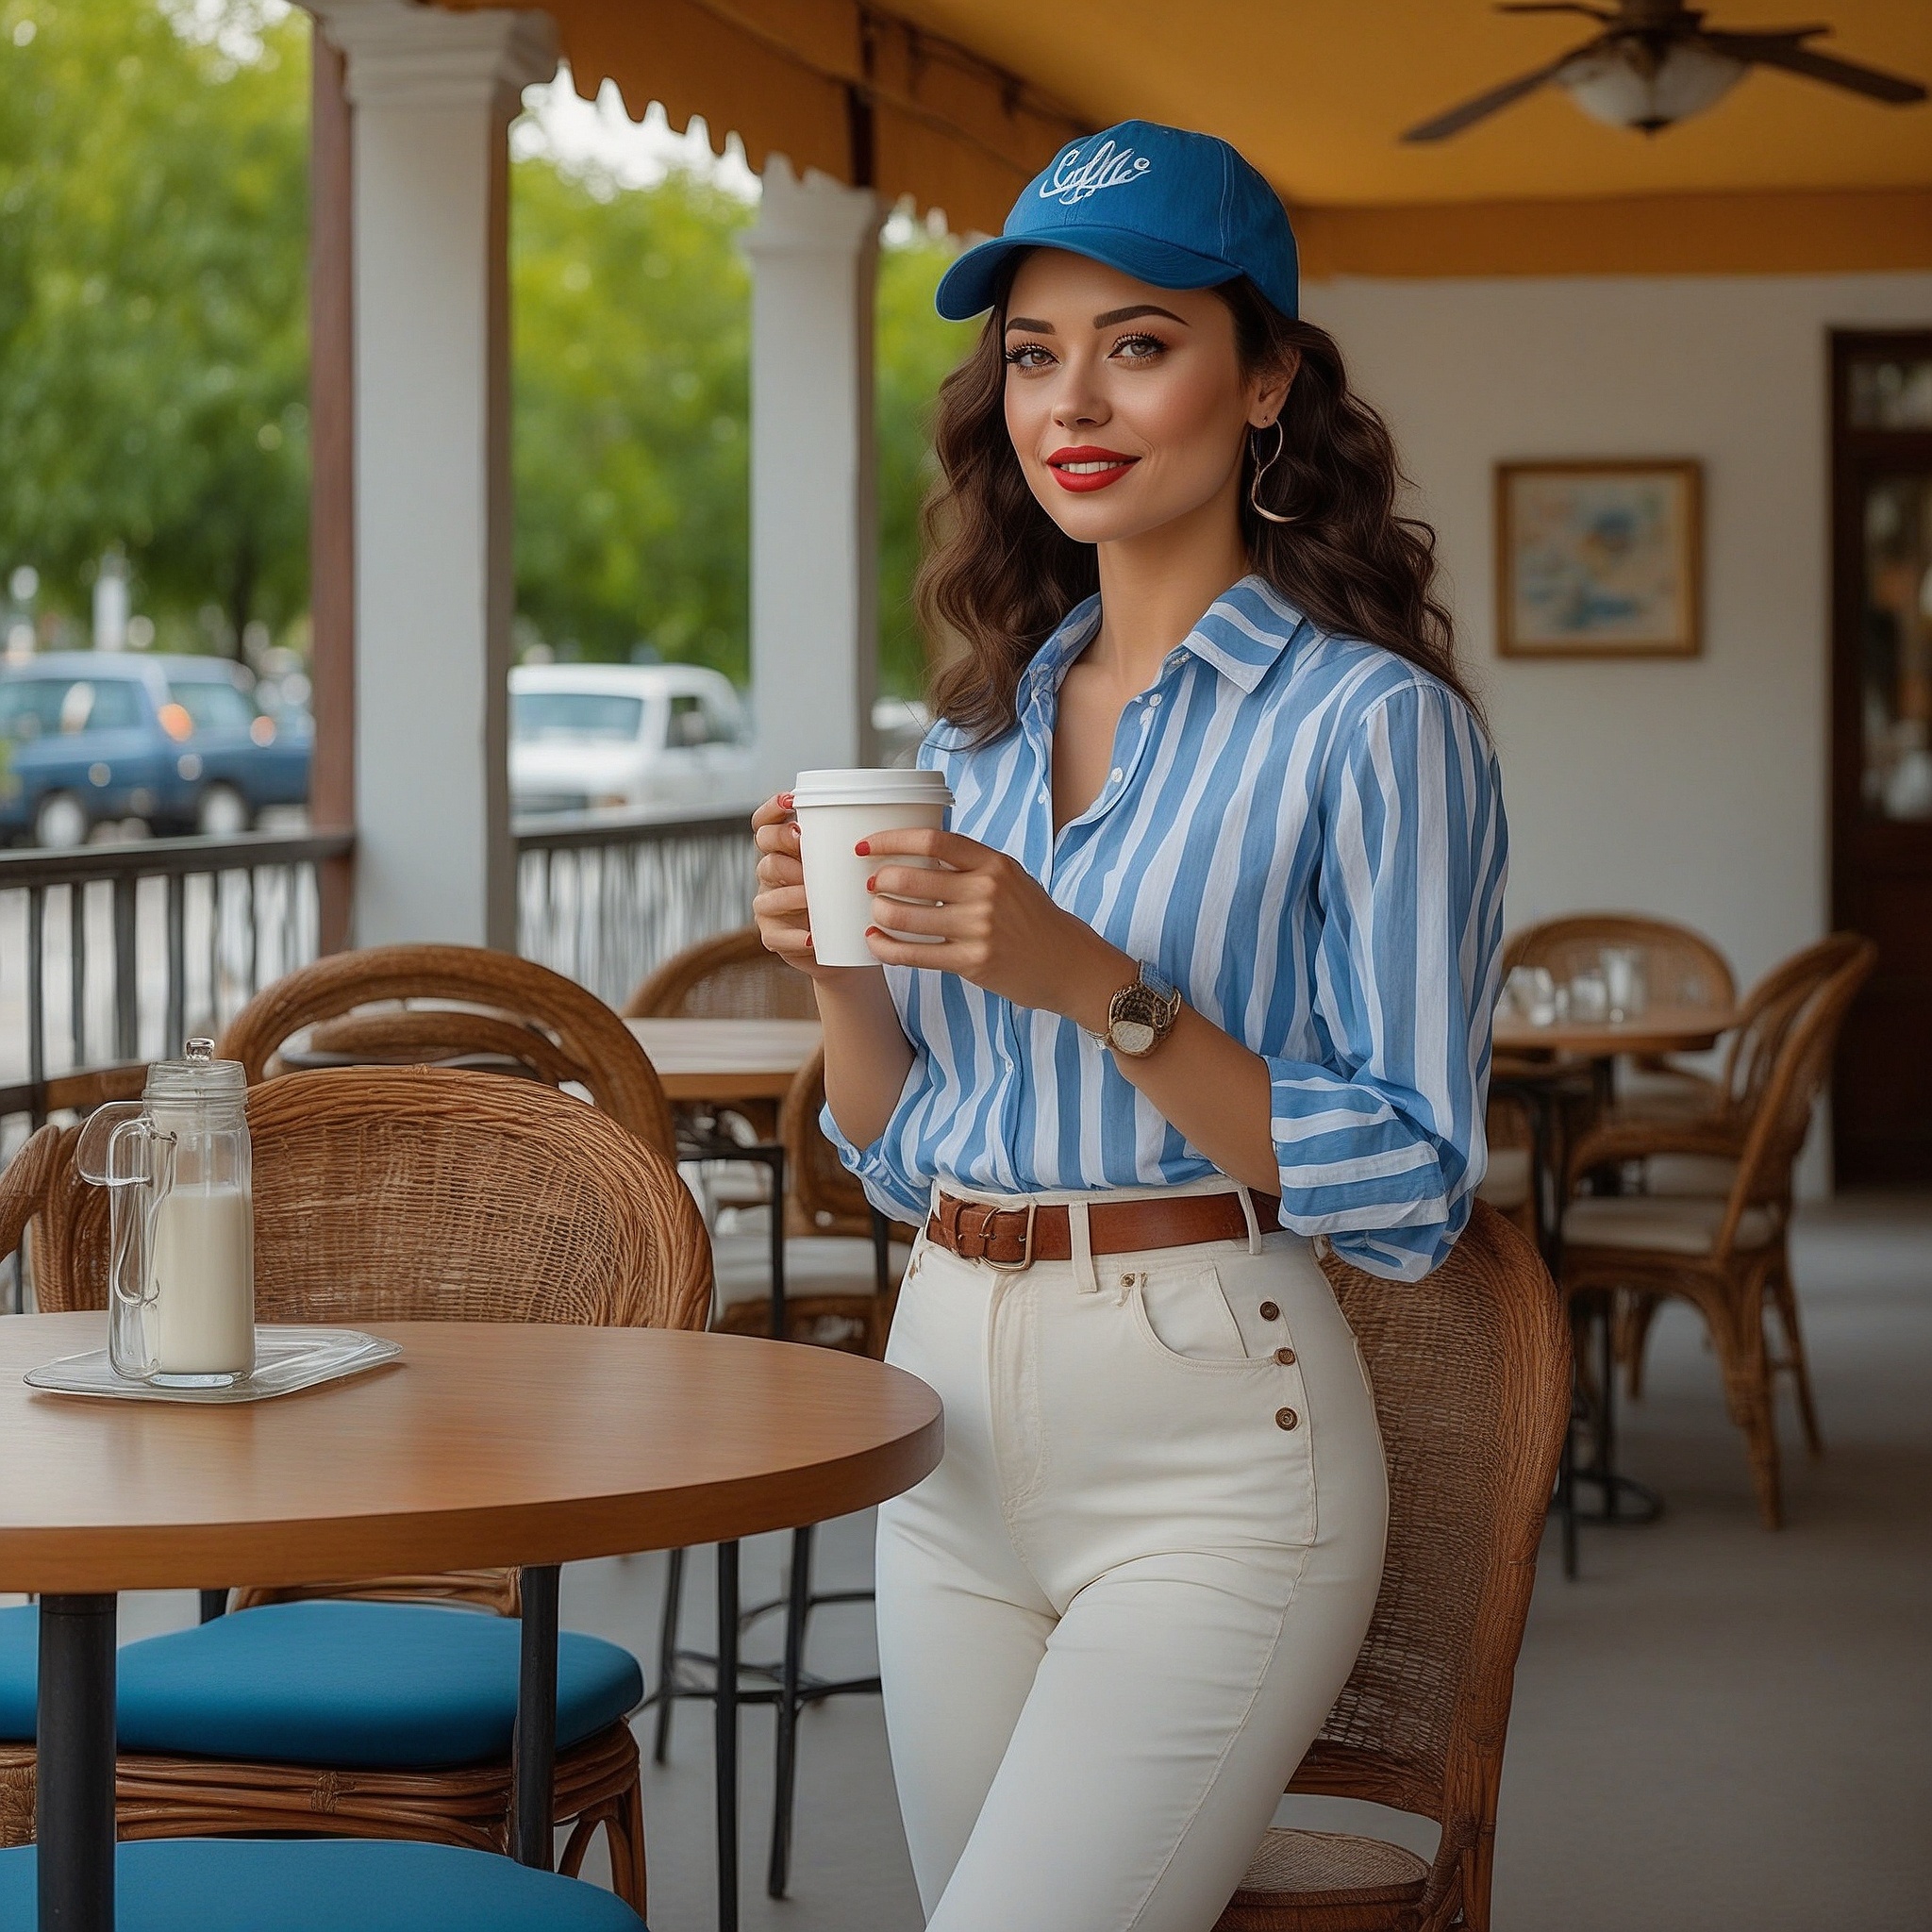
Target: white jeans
{"points": [[1113, 1619]]}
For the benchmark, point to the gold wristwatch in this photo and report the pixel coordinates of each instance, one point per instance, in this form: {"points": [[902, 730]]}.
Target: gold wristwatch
{"points": [[1142, 1015]]}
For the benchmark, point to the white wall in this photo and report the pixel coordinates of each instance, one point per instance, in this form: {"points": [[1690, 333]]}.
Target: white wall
{"points": [[1694, 789]]}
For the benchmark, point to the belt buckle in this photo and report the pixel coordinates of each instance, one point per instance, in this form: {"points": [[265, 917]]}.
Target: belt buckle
{"points": [[1025, 1261]]}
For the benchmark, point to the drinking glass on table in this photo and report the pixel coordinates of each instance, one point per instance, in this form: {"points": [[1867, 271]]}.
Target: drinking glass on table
{"points": [[1589, 997], [1532, 993], [1623, 981]]}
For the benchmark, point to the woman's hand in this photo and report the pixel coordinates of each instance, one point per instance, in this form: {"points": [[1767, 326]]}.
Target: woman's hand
{"points": [[998, 926], [779, 907]]}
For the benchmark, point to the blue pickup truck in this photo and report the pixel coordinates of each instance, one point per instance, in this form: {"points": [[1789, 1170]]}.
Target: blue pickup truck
{"points": [[177, 742]]}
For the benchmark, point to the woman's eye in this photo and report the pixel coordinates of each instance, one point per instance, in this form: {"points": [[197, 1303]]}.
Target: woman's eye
{"points": [[1028, 356], [1139, 348]]}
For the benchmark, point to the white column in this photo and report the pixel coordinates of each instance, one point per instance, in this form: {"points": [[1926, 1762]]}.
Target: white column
{"points": [[432, 97], [814, 518]]}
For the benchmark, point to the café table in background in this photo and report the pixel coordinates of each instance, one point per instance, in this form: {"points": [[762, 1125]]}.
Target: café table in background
{"points": [[486, 1445], [709, 1067], [1542, 1067]]}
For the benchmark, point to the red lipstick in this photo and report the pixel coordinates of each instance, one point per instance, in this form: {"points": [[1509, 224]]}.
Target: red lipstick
{"points": [[1085, 466]]}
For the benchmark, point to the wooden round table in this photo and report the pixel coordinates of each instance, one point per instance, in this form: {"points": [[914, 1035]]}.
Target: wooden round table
{"points": [[488, 1444]]}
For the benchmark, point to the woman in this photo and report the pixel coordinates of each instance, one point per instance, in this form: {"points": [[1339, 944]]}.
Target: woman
{"points": [[1211, 980]]}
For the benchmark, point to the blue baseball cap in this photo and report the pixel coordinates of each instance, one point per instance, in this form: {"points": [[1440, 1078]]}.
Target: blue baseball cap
{"points": [[1180, 211]]}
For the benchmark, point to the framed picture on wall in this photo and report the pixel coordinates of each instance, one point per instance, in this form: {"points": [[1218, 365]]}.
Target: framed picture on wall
{"points": [[1599, 560]]}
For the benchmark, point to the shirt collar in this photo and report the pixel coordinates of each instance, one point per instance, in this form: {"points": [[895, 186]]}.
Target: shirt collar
{"points": [[1240, 636], [1244, 630]]}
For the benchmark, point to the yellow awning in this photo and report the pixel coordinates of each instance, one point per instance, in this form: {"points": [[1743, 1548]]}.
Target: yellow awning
{"points": [[959, 102], [864, 96]]}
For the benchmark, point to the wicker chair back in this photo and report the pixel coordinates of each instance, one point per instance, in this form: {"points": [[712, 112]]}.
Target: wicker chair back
{"points": [[1781, 1116], [1471, 1374], [390, 1195], [482, 1004], [1771, 1010], [731, 978], [1681, 967]]}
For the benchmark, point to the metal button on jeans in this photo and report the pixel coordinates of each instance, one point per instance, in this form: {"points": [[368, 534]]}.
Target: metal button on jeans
{"points": [[1285, 1356], [1270, 1311], [1286, 1418]]}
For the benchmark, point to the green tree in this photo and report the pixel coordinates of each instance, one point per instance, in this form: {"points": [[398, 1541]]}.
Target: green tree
{"points": [[916, 351], [631, 314], [153, 324]]}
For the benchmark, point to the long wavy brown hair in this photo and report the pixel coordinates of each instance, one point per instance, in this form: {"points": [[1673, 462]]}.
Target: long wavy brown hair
{"points": [[1000, 574]]}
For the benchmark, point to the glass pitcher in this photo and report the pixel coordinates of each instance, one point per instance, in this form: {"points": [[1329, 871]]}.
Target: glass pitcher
{"points": [[182, 1253]]}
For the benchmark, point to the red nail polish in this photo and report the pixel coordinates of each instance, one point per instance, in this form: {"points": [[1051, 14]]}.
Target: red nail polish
{"points": [[785, 799], [871, 885], [863, 848]]}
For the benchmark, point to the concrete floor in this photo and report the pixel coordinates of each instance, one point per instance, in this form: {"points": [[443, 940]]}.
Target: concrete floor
{"points": [[1715, 1729]]}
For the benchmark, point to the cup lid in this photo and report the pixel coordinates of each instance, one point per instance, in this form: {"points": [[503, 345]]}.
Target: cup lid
{"points": [[862, 784]]}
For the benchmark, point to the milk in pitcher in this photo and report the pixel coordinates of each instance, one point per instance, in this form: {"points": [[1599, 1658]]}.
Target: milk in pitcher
{"points": [[202, 1311]]}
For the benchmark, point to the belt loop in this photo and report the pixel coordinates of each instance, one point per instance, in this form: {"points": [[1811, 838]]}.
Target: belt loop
{"points": [[1253, 1224], [1081, 1236]]}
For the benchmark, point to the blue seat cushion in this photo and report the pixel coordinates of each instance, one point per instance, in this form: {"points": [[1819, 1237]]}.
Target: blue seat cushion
{"points": [[327, 1885], [361, 1685]]}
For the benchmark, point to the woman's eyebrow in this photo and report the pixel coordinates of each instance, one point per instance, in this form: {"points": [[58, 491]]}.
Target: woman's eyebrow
{"points": [[1027, 322], [1114, 315]]}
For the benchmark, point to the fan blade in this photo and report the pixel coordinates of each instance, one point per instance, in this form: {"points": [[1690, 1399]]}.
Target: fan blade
{"points": [[1457, 119], [1553, 7], [1783, 50]]}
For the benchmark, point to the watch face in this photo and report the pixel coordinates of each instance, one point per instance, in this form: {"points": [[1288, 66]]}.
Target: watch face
{"points": [[1132, 1037]]}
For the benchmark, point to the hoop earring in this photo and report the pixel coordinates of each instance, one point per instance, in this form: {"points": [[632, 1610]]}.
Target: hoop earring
{"points": [[1261, 469]]}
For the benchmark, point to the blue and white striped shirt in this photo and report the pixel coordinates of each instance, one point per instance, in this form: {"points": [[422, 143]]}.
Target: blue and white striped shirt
{"points": [[1305, 834]]}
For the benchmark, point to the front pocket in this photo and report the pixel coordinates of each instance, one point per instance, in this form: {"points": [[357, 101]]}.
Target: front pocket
{"points": [[1183, 1312]]}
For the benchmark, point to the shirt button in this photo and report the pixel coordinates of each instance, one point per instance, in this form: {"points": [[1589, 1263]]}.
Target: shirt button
{"points": [[1155, 700], [1285, 1356], [1116, 775], [1042, 798], [1286, 1419], [1270, 1312]]}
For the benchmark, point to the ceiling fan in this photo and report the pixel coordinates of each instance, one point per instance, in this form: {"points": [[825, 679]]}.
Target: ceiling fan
{"points": [[1656, 63]]}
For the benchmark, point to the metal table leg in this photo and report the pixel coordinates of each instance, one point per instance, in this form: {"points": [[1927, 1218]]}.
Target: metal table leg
{"points": [[726, 1716], [533, 1748], [76, 1802]]}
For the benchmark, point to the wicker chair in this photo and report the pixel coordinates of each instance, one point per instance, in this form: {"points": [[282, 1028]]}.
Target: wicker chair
{"points": [[1471, 1372], [1691, 1144], [394, 1194], [482, 1006], [1728, 1256], [731, 978]]}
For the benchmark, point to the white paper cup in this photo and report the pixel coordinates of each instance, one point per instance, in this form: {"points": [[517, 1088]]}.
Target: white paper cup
{"points": [[837, 808]]}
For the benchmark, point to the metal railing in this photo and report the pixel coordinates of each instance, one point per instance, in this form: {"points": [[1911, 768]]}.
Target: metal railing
{"points": [[112, 955], [604, 899]]}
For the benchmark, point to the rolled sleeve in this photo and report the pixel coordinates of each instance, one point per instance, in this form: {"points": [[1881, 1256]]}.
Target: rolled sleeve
{"points": [[1381, 1146], [883, 1169]]}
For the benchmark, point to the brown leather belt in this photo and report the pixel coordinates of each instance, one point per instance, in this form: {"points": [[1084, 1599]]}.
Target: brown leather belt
{"points": [[1015, 1237]]}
